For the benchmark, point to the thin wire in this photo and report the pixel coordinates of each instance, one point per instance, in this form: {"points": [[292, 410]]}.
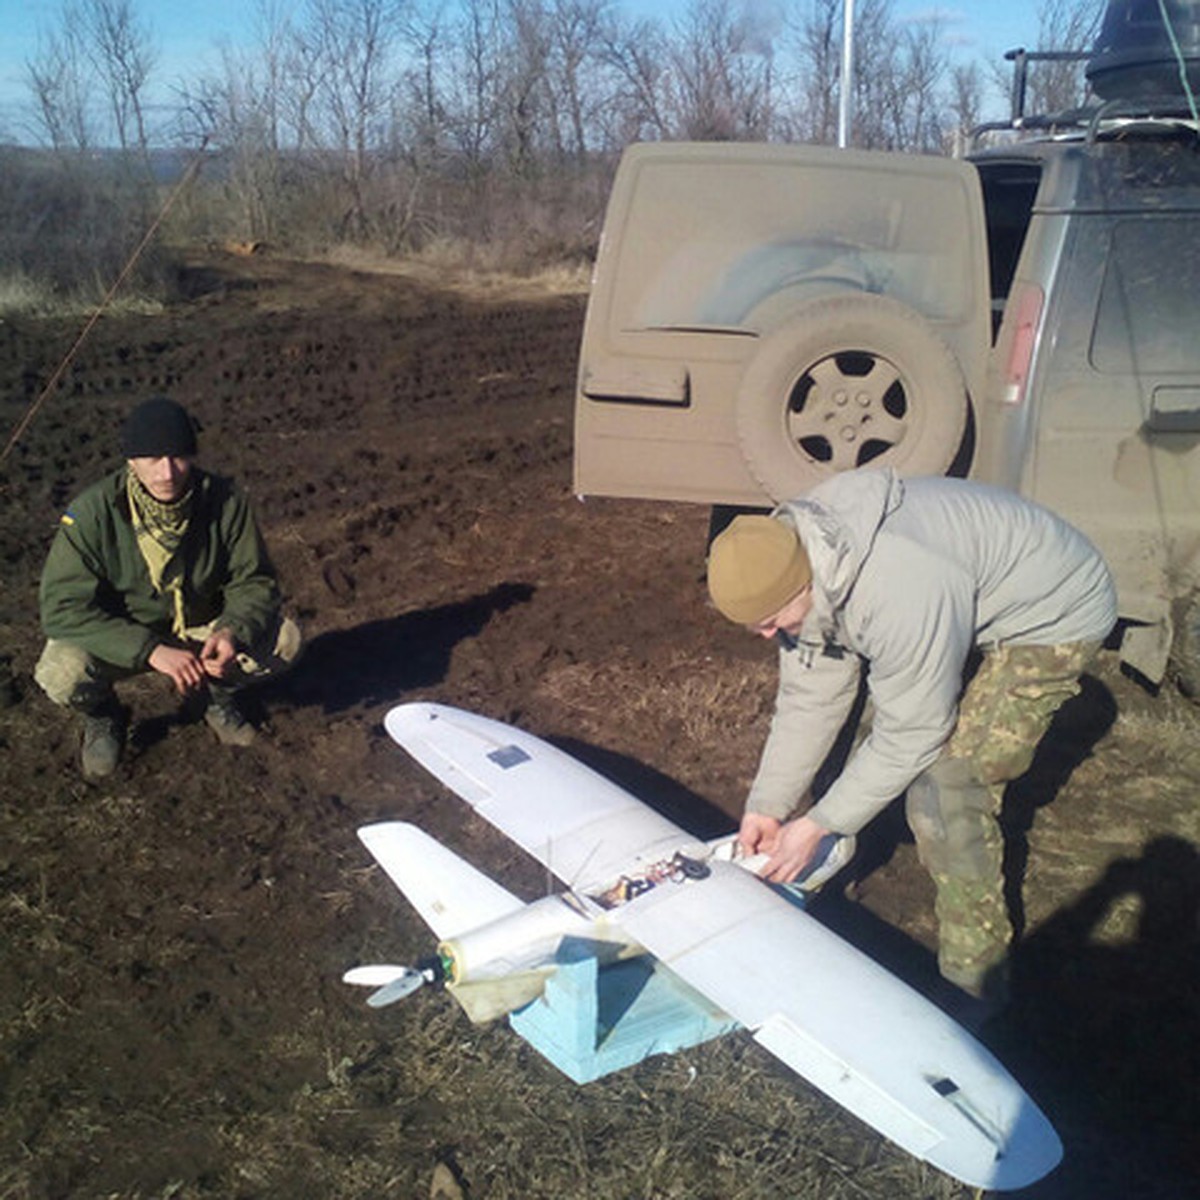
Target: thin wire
{"points": [[188, 175], [1179, 58]]}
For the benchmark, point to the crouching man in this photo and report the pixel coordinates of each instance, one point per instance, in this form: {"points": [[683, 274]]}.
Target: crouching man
{"points": [[159, 567], [906, 578]]}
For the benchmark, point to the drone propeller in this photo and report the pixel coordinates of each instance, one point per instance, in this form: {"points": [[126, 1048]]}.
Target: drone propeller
{"points": [[393, 982]]}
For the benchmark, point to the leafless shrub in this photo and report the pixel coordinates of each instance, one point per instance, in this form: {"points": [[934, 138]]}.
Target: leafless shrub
{"points": [[72, 223], [401, 124]]}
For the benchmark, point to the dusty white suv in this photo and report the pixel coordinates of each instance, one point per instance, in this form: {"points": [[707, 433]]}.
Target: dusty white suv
{"points": [[762, 316]]}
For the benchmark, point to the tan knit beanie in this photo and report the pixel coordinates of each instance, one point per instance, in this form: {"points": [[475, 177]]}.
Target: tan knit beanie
{"points": [[755, 566]]}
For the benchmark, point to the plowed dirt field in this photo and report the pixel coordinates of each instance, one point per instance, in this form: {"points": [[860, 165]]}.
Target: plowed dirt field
{"points": [[172, 1021]]}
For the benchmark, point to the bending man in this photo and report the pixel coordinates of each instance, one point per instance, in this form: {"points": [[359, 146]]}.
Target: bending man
{"points": [[906, 578]]}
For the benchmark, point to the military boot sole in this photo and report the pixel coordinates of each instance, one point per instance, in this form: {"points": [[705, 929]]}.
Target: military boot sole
{"points": [[230, 732], [101, 750]]}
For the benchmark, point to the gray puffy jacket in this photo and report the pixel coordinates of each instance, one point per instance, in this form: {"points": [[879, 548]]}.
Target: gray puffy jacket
{"points": [[908, 576]]}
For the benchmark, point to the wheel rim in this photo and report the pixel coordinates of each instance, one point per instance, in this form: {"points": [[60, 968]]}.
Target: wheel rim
{"points": [[849, 409]]}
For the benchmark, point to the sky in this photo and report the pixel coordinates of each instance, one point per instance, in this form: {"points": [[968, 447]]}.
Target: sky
{"points": [[188, 34]]}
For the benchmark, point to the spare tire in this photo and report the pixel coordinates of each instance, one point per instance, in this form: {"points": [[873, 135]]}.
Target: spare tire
{"points": [[850, 381]]}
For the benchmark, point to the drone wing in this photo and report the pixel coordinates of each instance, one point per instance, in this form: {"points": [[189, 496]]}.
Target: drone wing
{"points": [[450, 894], [581, 826], [848, 1026]]}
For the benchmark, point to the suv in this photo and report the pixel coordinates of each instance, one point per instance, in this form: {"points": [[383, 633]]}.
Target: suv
{"points": [[763, 316]]}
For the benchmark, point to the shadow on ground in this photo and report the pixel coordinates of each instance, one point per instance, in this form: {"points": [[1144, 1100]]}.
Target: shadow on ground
{"points": [[1112, 1031], [1105, 1037], [379, 661], [1076, 730]]}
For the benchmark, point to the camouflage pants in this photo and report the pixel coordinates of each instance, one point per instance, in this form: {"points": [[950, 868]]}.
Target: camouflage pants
{"points": [[71, 676], [953, 809]]}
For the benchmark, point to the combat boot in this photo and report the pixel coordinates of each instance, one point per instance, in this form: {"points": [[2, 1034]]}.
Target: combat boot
{"points": [[225, 719], [103, 733], [974, 999]]}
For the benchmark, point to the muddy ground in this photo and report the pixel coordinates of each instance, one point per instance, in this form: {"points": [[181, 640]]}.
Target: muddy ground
{"points": [[171, 1015]]}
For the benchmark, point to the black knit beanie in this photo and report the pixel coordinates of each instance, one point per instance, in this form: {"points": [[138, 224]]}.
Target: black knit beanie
{"points": [[158, 428]]}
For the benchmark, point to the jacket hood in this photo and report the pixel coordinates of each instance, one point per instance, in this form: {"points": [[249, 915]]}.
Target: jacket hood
{"points": [[837, 522]]}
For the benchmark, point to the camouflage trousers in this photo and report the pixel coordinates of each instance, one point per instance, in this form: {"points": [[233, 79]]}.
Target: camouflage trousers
{"points": [[71, 676], [953, 809]]}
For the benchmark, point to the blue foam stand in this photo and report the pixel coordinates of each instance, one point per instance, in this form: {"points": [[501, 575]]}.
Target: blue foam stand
{"points": [[592, 1020]]}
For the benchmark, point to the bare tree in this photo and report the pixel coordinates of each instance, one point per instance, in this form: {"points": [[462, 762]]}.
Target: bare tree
{"points": [[304, 72], [899, 77], [635, 56], [474, 83], [721, 72], [421, 105], [123, 55], [234, 112], [273, 33], [381, 120], [1063, 25], [575, 88], [245, 113], [355, 41], [966, 100], [877, 73], [815, 30], [523, 70], [911, 78], [59, 80]]}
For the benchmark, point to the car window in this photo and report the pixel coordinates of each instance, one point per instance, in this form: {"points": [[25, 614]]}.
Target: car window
{"points": [[1009, 190], [1150, 298]]}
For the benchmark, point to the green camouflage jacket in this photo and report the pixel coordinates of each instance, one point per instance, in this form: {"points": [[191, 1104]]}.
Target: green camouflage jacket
{"points": [[96, 590]]}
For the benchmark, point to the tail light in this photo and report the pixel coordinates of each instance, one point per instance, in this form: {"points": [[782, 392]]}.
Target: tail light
{"points": [[1025, 307]]}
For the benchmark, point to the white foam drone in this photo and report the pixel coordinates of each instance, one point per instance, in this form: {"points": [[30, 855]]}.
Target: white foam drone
{"points": [[638, 885]]}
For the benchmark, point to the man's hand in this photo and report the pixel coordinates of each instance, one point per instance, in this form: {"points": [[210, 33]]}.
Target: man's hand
{"points": [[758, 834], [218, 653], [182, 667], [793, 850]]}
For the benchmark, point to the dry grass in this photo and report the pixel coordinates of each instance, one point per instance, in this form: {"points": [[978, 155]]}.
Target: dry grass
{"points": [[706, 700], [468, 269], [23, 296], [720, 1121]]}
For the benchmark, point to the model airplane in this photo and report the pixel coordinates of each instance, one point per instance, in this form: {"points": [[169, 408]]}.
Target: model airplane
{"points": [[638, 885]]}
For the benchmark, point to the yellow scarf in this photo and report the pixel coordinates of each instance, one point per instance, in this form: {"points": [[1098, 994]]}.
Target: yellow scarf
{"points": [[160, 529]]}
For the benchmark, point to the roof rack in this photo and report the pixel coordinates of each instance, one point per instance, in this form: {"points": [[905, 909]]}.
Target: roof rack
{"points": [[1167, 110], [1018, 121], [1021, 58]]}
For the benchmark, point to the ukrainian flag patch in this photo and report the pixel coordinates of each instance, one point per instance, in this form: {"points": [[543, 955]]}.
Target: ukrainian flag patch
{"points": [[68, 518]]}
